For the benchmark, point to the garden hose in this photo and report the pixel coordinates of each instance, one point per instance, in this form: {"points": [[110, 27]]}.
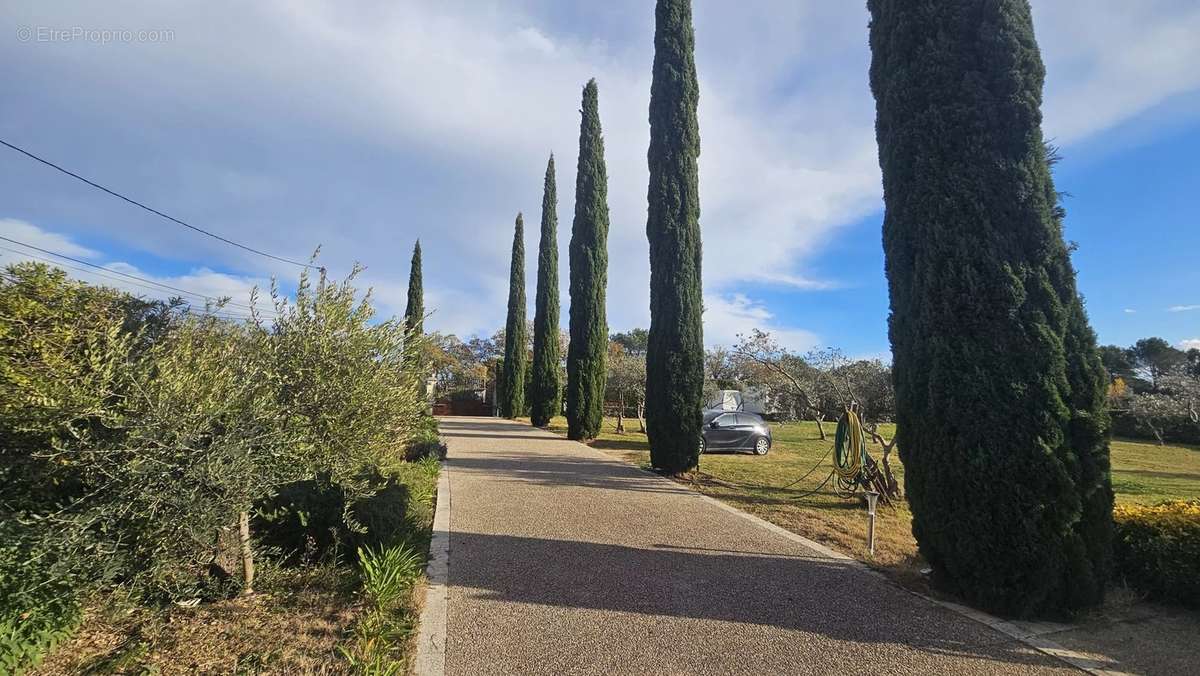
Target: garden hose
{"points": [[851, 464], [849, 447]]}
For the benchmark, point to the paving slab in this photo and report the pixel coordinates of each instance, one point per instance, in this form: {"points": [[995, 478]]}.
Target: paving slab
{"points": [[563, 560]]}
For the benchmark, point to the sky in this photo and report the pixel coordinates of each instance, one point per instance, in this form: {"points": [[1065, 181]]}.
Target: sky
{"points": [[360, 127]]}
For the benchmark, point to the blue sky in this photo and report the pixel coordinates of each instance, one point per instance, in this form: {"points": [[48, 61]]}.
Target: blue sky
{"points": [[362, 126]]}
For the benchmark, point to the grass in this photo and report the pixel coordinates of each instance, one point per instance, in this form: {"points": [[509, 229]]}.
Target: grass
{"points": [[1146, 473], [327, 618], [293, 625], [1142, 473], [382, 640]]}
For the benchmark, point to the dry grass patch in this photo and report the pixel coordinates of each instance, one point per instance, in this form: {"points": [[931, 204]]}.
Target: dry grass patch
{"points": [[294, 626]]}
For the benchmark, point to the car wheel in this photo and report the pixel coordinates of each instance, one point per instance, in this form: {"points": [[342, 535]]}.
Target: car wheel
{"points": [[703, 446], [761, 446]]}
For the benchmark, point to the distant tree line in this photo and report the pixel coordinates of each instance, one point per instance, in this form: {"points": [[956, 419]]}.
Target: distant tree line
{"points": [[1154, 390]]}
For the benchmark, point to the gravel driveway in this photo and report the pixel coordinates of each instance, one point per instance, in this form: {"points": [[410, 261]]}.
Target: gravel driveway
{"points": [[566, 561]]}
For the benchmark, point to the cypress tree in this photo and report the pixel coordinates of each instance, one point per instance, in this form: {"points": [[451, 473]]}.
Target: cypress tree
{"points": [[1088, 427], [512, 385], [587, 352], [999, 387], [544, 389], [675, 354], [414, 312]]}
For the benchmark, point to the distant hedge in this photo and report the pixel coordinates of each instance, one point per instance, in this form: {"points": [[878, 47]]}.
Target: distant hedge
{"points": [[1178, 431], [1157, 549]]}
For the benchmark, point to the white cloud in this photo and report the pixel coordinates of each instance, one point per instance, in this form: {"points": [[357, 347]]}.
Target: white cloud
{"points": [[536, 39], [788, 153], [1107, 62], [201, 283], [28, 233], [1183, 308], [726, 316], [1130, 311], [1190, 344]]}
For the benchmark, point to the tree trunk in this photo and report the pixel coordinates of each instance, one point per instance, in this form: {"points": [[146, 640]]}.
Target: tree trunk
{"points": [[820, 428], [641, 410], [621, 419], [247, 554], [889, 487]]}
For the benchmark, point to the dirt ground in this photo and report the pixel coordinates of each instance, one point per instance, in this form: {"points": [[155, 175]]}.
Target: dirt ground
{"points": [[271, 632]]}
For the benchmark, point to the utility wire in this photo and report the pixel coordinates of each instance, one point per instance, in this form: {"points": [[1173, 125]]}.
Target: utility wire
{"points": [[147, 286], [204, 312], [110, 271], [157, 212]]}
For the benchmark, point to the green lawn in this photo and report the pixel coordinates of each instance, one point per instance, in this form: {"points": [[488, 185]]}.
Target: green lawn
{"points": [[1142, 472]]}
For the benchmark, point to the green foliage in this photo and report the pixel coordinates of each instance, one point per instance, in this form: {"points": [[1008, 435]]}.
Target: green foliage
{"points": [[545, 389], [305, 521], [588, 252], [675, 354], [135, 434], [1158, 395], [425, 447], [388, 573], [414, 311], [348, 383], [36, 611], [1158, 549], [999, 386], [633, 341], [512, 386]]}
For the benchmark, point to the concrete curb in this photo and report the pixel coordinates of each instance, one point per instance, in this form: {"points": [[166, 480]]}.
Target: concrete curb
{"points": [[430, 659]]}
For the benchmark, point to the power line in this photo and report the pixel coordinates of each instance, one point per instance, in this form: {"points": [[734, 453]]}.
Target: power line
{"points": [[110, 271], [205, 312], [148, 285], [157, 212]]}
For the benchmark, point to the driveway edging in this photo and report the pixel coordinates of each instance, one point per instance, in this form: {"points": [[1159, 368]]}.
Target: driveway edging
{"points": [[430, 659]]}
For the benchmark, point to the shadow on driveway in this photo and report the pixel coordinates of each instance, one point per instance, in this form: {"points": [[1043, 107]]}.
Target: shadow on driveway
{"points": [[811, 594]]}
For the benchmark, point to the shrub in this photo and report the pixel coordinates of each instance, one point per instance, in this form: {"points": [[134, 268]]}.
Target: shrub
{"points": [[426, 443], [135, 438], [309, 520], [1158, 549], [36, 611]]}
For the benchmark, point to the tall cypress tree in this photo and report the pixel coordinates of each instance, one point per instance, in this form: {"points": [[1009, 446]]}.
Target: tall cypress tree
{"points": [[414, 312], [1088, 428], [512, 386], [675, 357], [999, 388], [588, 350], [545, 389]]}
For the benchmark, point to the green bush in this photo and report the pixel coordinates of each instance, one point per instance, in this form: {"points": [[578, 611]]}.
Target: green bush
{"points": [[379, 637], [426, 443], [1158, 549], [36, 612], [309, 520], [26, 635], [134, 437]]}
